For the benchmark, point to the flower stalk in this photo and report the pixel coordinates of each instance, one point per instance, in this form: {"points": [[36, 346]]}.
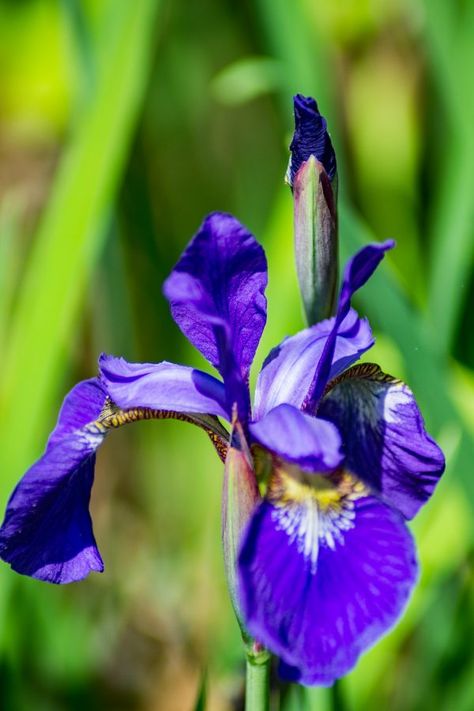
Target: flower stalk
{"points": [[257, 690]]}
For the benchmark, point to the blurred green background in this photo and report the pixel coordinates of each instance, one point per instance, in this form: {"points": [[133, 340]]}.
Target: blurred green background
{"points": [[121, 125]]}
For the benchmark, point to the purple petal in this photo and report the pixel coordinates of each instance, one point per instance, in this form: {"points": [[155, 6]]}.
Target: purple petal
{"points": [[47, 531], [288, 371], [320, 583], [299, 438], [216, 292], [162, 386], [310, 138], [385, 440], [358, 270], [81, 405]]}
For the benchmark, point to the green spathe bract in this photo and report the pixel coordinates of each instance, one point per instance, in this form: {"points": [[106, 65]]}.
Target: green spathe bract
{"points": [[316, 248]]}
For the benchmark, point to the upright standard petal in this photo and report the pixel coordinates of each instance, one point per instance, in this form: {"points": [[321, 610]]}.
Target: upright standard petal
{"points": [[385, 440], [216, 292], [310, 138], [289, 369], [323, 574], [299, 438], [357, 272], [47, 531]]}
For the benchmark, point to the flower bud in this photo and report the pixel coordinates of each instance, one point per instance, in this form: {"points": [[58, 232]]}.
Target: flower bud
{"points": [[316, 247], [312, 175]]}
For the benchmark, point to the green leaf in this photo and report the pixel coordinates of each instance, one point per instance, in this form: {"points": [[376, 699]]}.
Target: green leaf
{"points": [[246, 79], [71, 235], [449, 31], [201, 699], [9, 262], [385, 305]]}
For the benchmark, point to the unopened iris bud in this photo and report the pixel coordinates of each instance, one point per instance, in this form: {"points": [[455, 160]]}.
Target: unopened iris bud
{"points": [[240, 496], [312, 176]]}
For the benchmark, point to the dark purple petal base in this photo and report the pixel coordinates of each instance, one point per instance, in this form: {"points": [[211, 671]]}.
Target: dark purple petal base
{"points": [[384, 436]]}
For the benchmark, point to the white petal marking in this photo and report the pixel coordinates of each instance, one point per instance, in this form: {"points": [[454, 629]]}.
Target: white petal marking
{"points": [[314, 516]]}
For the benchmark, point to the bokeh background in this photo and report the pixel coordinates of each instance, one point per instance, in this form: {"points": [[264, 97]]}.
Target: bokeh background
{"points": [[121, 125]]}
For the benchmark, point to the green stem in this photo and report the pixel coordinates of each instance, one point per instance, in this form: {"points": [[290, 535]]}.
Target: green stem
{"points": [[338, 699], [257, 690]]}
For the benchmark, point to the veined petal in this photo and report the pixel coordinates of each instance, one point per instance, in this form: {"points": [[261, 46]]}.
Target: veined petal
{"points": [[297, 371], [385, 440], [299, 438], [310, 138], [83, 404], [47, 531], [289, 369], [162, 386], [216, 293], [358, 270], [322, 576]]}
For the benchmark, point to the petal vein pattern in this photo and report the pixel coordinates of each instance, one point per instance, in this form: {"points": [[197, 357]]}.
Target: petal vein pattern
{"points": [[162, 386], [288, 371], [321, 582], [314, 514], [216, 293]]}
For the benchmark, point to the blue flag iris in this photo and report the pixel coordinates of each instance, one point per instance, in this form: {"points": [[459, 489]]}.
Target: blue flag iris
{"points": [[326, 561]]}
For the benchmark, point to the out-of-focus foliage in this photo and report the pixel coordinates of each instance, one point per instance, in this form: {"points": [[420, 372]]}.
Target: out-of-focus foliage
{"points": [[121, 124]]}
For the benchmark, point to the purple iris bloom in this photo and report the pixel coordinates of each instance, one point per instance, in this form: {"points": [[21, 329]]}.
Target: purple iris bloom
{"points": [[327, 562]]}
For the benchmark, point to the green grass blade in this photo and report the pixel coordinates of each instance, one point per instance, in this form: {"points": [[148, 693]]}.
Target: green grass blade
{"points": [[453, 243], [201, 699], [75, 16], [430, 380], [9, 263], [286, 28], [71, 235], [451, 54]]}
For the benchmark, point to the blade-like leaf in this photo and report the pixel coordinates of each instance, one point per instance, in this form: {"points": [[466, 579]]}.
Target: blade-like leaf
{"points": [[201, 699], [71, 234]]}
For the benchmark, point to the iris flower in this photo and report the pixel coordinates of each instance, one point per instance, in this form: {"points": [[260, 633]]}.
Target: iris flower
{"points": [[326, 560]]}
